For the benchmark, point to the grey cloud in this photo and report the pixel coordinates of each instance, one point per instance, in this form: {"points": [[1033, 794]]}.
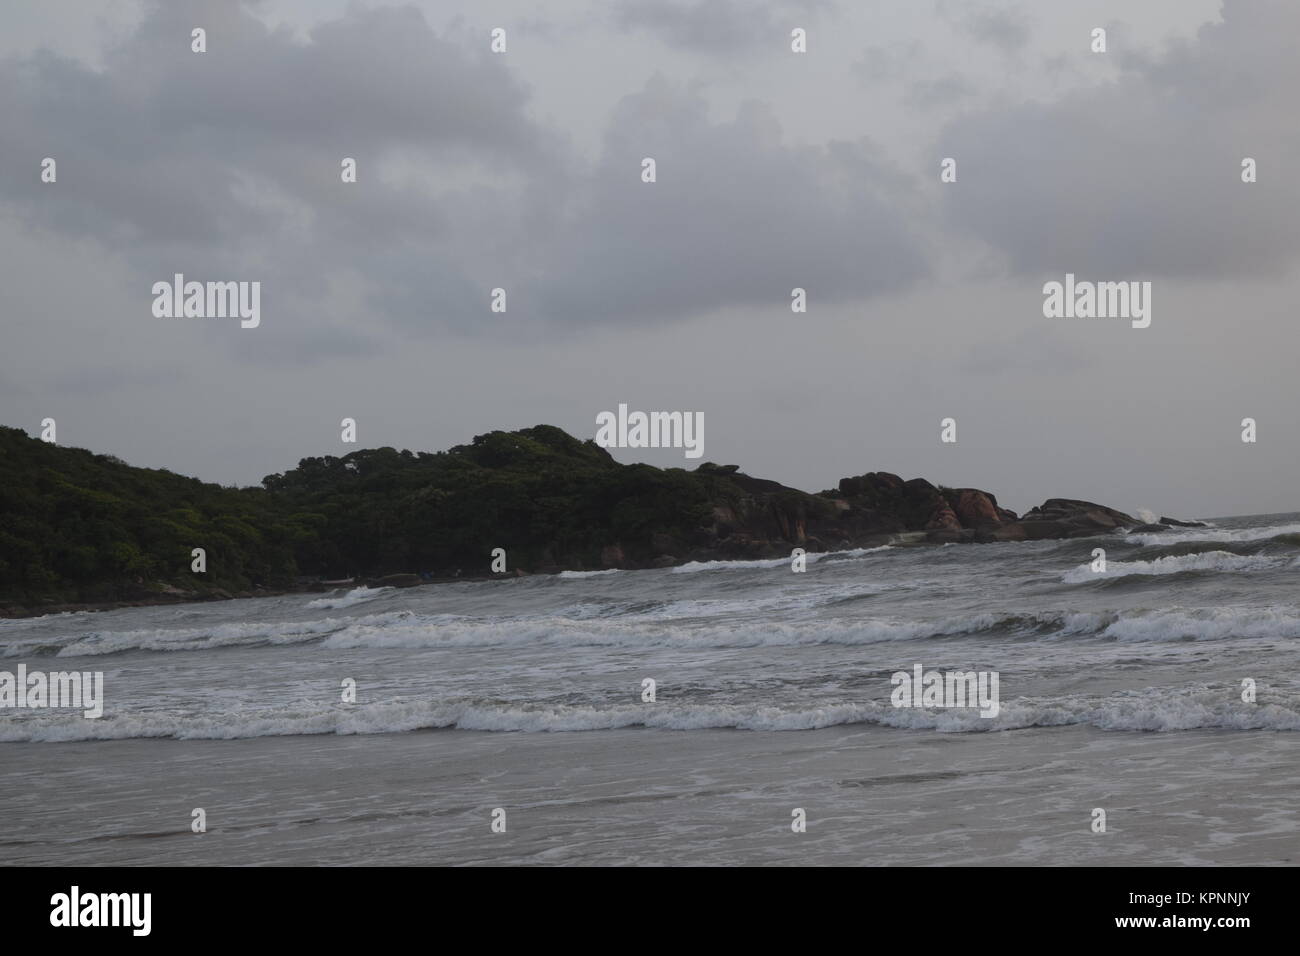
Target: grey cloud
{"points": [[943, 91], [718, 26], [157, 143], [736, 217], [881, 63], [1045, 353], [226, 163], [1141, 177], [1004, 29]]}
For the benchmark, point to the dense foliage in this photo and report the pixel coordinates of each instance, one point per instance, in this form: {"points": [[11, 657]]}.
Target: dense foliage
{"points": [[79, 526], [76, 526]]}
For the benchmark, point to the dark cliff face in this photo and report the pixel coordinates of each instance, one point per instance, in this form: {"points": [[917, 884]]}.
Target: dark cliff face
{"points": [[81, 527], [767, 520]]}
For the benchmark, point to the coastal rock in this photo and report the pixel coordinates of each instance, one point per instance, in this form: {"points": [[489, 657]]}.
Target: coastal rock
{"points": [[926, 508], [977, 509], [1012, 531], [951, 536], [1061, 518], [1079, 517], [378, 515]]}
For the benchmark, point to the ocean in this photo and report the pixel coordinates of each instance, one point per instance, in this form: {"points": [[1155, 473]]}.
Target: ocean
{"points": [[522, 701]]}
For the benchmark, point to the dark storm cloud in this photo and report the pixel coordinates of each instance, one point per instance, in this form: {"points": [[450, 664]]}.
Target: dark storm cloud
{"points": [[159, 145], [225, 164], [1142, 176]]}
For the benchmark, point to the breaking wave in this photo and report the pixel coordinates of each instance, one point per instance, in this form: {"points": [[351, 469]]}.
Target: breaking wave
{"points": [[356, 596], [1175, 564], [673, 627], [1213, 535], [1200, 707]]}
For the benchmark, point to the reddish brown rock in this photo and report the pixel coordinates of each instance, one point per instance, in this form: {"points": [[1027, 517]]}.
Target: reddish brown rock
{"points": [[974, 508]]}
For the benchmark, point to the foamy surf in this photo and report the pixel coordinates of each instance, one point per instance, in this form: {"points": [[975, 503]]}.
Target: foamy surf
{"points": [[561, 632], [1176, 564], [200, 638], [695, 567], [1212, 535], [706, 625], [1150, 709], [356, 596]]}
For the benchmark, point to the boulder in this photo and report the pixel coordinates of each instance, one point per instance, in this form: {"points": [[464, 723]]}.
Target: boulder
{"points": [[1080, 513], [975, 508], [951, 536], [1011, 531], [1065, 518], [925, 508]]}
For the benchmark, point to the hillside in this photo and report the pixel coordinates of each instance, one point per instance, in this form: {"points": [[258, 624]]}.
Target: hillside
{"points": [[78, 528]]}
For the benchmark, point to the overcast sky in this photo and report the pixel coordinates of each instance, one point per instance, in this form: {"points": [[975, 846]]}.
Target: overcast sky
{"points": [[774, 170]]}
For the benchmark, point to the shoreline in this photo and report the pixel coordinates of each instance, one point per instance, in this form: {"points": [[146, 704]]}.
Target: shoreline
{"points": [[168, 594], [164, 597], [875, 790], [21, 612]]}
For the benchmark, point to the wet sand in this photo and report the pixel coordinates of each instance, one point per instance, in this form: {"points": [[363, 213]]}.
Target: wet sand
{"points": [[873, 796]]}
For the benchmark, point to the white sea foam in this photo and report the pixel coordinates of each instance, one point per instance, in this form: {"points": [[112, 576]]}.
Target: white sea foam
{"points": [[694, 567], [1174, 564], [687, 624], [588, 574], [417, 632], [209, 637], [356, 596], [1211, 535], [1150, 709], [1206, 624]]}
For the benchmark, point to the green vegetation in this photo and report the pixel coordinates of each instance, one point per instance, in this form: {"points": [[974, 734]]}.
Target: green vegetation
{"points": [[76, 526], [81, 527]]}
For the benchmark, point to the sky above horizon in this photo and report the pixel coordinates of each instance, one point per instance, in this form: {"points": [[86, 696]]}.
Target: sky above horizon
{"points": [[775, 170]]}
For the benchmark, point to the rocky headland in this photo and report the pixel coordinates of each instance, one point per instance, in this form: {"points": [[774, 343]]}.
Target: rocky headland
{"points": [[79, 529]]}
